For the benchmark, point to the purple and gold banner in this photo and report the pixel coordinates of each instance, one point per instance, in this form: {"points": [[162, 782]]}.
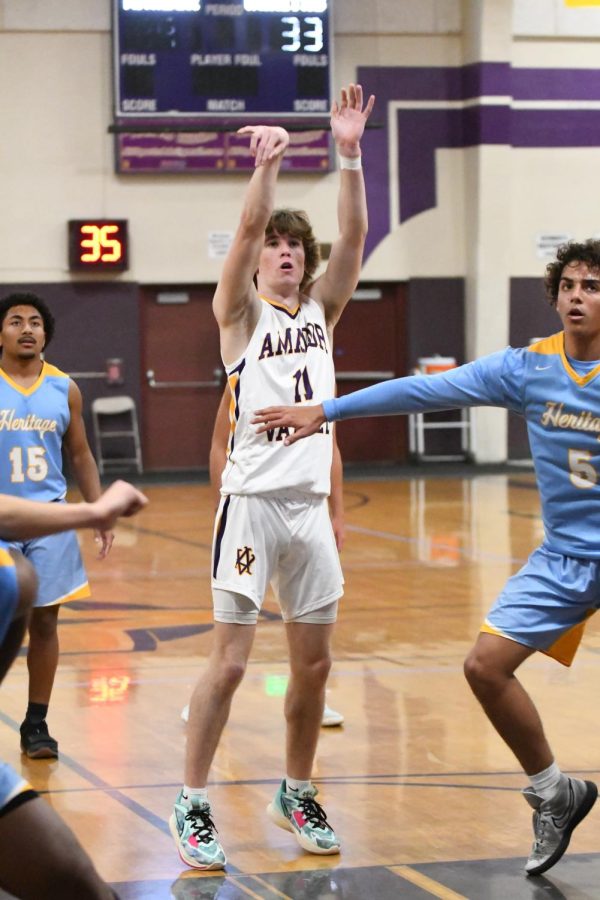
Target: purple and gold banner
{"points": [[189, 152]]}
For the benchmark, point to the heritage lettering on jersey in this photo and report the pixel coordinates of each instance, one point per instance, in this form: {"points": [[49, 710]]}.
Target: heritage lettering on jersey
{"points": [[11, 422], [245, 558], [556, 416]]}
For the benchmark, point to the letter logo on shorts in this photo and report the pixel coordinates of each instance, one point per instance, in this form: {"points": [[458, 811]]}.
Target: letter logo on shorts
{"points": [[245, 558]]}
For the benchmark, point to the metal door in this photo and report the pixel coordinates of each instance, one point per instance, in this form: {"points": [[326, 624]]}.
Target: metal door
{"points": [[370, 346], [184, 376]]}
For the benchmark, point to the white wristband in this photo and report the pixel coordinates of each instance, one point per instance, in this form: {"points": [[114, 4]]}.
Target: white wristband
{"points": [[350, 162]]}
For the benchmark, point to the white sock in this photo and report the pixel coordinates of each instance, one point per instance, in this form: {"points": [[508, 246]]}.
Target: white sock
{"points": [[546, 783], [195, 792], [292, 784]]}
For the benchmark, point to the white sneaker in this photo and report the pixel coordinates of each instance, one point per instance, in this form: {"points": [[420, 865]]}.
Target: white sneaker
{"points": [[331, 717]]}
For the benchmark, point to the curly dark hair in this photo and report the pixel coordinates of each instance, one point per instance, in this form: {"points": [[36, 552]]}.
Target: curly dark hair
{"points": [[28, 298], [296, 223], [587, 252]]}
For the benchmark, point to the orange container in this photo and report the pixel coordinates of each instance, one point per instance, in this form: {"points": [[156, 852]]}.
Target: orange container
{"points": [[430, 365]]}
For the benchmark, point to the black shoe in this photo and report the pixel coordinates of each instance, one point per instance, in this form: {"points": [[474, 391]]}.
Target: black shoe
{"points": [[36, 743]]}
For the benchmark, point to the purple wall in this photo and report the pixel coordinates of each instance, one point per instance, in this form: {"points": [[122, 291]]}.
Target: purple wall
{"points": [[424, 129], [436, 318], [94, 322]]}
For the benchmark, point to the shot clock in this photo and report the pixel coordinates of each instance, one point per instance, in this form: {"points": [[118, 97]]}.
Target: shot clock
{"points": [[98, 245], [197, 59]]}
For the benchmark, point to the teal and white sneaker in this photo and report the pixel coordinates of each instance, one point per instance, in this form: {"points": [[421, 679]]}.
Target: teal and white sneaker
{"points": [[304, 817], [193, 831]]}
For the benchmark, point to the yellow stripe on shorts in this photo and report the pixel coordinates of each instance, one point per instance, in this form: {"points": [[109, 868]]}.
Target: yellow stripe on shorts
{"points": [[5, 558]]}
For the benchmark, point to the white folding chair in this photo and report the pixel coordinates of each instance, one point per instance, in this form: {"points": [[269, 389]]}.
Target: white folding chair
{"points": [[105, 409]]}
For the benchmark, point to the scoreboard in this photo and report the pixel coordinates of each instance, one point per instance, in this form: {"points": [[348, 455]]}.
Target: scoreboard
{"points": [[177, 59], [98, 245]]}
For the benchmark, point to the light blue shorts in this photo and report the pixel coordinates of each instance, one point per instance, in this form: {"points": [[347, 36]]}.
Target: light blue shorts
{"points": [[58, 566], [9, 592], [13, 789], [547, 603]]}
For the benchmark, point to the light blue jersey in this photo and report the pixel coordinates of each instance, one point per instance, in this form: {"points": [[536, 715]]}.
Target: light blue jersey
{"points": [[562, 410], [13, 789], [33, 422], [9, 592]]}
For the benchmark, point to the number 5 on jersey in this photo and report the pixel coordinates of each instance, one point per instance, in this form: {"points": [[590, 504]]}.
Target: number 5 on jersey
{"points": [[583, 475], [28, 462]]}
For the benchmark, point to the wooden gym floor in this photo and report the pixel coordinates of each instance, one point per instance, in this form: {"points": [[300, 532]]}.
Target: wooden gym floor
{"points": [[421, 790]]}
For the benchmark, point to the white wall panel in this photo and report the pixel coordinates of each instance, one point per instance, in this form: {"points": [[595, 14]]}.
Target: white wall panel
{"points": [[554, 192], [396, 16], [542, 18], [55, 15]]}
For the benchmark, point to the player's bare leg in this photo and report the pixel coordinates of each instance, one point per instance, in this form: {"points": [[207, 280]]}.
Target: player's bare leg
{"points": [[310, 663], [294, 806], [191, 823], [562, 802], [42, 663], [489, 669]]}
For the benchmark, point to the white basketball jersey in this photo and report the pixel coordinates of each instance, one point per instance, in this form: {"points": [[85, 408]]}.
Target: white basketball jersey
{"points": [[288, 360]]}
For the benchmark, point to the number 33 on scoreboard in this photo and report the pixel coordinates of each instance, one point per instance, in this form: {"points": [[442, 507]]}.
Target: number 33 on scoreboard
{"points": [[98, 244]]}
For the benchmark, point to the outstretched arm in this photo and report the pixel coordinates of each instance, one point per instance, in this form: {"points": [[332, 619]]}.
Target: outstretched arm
{"points": [[335, 287], [22, 519], [485, 382], [83, 463], [236, 303]]}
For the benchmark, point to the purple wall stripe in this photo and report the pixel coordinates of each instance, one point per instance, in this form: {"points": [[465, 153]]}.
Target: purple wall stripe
{"points": [[422, 131], [555, 128], [555, 84], [437, 83]]}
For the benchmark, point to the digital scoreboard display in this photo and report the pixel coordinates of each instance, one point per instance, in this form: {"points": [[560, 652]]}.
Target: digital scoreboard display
{"points": [[98, 245], [245, 58]]}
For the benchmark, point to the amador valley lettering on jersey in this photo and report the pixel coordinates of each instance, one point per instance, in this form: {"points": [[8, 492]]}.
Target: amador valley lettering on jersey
{"points": [[9, 421], [293, 340], [279, 434], [556, 417]]}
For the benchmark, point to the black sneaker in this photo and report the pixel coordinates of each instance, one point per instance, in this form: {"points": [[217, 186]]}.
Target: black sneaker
{"points": [[36, 743]]}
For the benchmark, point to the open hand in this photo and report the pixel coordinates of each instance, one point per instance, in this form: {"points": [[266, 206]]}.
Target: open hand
{"points": [[305, 420], [266, 142], [348, 119], [105, 539]]}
